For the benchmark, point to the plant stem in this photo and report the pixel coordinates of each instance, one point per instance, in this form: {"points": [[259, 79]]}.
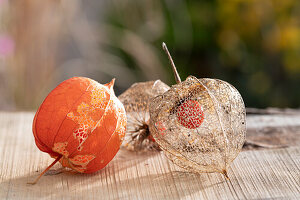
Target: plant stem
{"points": [[177, 77], [38, 178]]}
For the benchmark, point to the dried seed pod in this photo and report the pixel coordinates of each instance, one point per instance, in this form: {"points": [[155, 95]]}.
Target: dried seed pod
{"points": [[199, 123], [136, 103], [81, 124]]}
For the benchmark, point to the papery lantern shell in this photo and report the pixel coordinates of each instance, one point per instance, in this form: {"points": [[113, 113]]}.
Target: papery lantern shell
{"points": [[136, 102], [200, 124], [82, 121]]}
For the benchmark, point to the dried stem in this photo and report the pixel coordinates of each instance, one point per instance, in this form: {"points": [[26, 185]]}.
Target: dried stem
{"points": [[38, 178], [177, 77]]}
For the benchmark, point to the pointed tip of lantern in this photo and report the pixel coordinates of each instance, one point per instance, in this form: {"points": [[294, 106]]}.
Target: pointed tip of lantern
{"points": [[224, 172], [111, 84]]}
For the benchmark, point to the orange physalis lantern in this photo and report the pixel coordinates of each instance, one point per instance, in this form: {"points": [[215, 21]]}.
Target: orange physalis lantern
{"points": [[81, 123]]}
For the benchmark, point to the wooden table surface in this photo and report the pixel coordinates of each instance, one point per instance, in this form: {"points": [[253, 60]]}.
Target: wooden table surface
{"points": [[269, 170]]}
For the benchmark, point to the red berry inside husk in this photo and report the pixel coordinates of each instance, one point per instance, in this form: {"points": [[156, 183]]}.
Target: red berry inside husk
{"points": [[190, 114]]}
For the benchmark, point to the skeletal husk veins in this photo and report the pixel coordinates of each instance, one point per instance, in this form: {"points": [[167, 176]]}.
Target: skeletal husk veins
{"points": [[136, 102], [211, 137]]}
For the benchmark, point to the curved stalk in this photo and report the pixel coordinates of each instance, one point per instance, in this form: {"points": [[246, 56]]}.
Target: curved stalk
{"points": [[177, 77], [38, 178]]}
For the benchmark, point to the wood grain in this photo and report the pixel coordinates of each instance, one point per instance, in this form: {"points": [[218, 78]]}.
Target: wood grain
{"points": [[264, 174], [276, 128]]}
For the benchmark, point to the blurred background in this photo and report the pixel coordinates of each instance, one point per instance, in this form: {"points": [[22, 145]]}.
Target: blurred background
{"points": [[252, 44]]}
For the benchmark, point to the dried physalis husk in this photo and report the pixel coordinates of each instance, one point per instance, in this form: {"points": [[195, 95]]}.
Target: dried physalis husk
{"points": [[136, 103], [199, 124]]}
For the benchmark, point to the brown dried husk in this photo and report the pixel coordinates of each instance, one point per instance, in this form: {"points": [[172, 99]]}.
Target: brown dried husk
{"points": [[217, 141], [136, 103]]}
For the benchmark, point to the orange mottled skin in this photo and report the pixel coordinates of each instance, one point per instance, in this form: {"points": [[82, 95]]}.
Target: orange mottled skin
{"points": [[82, 121]]}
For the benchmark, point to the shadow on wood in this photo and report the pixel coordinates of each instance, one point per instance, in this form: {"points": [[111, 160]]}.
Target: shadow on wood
{"points": [[123, 175]]}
